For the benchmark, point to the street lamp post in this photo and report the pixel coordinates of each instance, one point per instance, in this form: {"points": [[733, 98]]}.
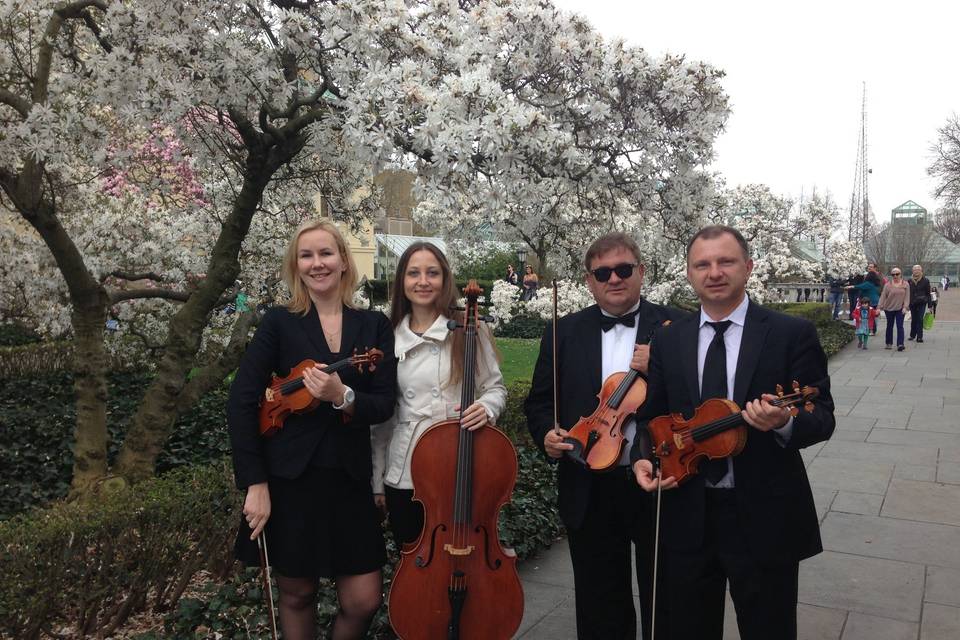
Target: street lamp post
{"points": [[522, 257]]}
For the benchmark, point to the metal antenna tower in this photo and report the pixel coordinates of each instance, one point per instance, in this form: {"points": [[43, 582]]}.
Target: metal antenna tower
{"points": [[861, 218]]}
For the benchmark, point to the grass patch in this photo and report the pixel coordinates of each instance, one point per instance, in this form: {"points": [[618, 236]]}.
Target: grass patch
{"points": [[519, 356]]}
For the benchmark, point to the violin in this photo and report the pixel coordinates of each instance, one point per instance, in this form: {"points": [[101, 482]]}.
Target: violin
{"points": [[457, 582], [716, 430], [597, 439], [288, 395]]}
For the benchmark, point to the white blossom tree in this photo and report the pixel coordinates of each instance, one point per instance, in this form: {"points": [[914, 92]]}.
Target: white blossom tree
{"points": [[159, 151]]}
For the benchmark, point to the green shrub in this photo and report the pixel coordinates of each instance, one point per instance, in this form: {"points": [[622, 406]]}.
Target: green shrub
{"points": [[834, 334], [93, 564], [815, 312], [513, 421], [14, 334], [36, 459], [521, 326]]}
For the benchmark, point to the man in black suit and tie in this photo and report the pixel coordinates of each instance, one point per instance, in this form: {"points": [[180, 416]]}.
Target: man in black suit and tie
{"points": [[603, 512], [748, 519]]}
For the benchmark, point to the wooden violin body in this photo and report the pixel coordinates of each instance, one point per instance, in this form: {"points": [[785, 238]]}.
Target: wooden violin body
{"points": [[716, 430], [457, 549], [457, 582], [597, 439], [288, 395], [680, 453]]}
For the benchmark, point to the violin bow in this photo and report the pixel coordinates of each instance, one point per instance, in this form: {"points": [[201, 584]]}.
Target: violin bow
{"points": [[265, 572], [656, 551], [556, 418]]}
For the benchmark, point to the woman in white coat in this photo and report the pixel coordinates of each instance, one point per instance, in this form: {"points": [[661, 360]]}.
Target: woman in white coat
{"points": [[429, 375]]}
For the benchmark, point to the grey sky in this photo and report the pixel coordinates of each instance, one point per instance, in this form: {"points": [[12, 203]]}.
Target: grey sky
{"points": [[794, 77]]}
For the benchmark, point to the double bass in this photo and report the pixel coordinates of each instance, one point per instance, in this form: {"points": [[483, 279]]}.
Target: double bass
{"points": [[457, 582]]}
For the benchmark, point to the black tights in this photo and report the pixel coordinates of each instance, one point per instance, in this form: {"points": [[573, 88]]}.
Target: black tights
{"points": [[359, 597]]}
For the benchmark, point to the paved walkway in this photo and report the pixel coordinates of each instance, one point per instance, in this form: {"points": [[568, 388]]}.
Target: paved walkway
{"points": [[887, 488]]}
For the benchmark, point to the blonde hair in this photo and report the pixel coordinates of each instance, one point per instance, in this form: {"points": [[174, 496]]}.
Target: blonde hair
{"points": [[299, 297]]}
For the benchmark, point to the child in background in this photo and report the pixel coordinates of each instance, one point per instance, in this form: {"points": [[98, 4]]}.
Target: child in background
{"points": [[932, 305], [865, 318]]}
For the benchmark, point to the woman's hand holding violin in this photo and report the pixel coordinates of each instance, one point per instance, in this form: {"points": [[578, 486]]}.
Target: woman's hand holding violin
{"points": [[643, 470], [256, 508], [762, 415], [474, 417], [323, 386]]}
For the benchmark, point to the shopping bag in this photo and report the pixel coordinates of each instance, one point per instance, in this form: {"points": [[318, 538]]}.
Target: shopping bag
{"points": [[928, 320]]}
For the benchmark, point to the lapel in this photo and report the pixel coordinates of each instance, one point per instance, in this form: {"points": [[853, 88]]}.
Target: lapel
{"points": [[688, 337], [590, 333], [755, 330], [310, 323], [352, 319], [647, 321]]}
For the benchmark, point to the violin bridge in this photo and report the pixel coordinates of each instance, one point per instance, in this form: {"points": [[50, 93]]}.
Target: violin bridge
{"points": [[268, 394], [678, 440], [458, 551]]}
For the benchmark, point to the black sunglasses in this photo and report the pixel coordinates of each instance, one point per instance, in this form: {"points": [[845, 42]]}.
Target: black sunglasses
{"points": [[623, 271]]}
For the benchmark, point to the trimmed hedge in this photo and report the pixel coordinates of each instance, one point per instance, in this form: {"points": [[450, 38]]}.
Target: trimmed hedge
{"points": [[834, 334], [13, 334], [93, 564], [521, 326], [36, 460]]}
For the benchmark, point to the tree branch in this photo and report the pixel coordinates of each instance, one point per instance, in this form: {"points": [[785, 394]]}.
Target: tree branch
{"points": [[214, 373], [126, 275], [20, 105]]}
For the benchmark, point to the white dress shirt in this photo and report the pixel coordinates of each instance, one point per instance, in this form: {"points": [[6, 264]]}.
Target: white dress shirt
{"points": [[731, 342], [617, 350]]}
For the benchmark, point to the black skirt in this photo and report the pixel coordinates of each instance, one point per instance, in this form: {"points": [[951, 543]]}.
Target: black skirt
{"points": [[322, 524]]}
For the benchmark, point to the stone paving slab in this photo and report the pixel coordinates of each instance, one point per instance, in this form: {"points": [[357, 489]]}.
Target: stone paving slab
{"points": [[940, 623], [858, 583], [943, 586], [926, 502], [920, 543], [866, 627]]}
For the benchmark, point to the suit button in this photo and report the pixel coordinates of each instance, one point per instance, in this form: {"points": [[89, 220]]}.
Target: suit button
{"points": [[436, 392], [410, 393]]}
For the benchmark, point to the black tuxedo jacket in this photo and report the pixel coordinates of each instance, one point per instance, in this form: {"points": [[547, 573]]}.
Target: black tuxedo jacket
{"points": [[774, 503], [579, 351], [282, 341]]}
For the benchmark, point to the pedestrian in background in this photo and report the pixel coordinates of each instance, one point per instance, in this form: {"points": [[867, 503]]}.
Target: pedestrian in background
{"points": [[894, 300], [919, 299]]}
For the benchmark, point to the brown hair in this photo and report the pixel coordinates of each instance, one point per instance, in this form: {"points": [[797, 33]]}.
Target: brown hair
{"points": [[445, 304], [609, 242], [717, 230], [299, 297]]}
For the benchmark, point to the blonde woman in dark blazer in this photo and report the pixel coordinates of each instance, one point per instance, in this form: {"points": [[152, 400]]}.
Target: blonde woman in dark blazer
{"points": [[308, 486]]}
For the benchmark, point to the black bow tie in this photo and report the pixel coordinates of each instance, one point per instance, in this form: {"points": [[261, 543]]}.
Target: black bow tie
{"points": [[627, 320]]}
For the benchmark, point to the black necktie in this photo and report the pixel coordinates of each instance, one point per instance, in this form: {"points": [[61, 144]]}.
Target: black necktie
{"points": [[627, 320], [714, 385]]}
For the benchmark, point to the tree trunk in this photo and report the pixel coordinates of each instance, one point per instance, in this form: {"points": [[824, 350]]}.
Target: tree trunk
{"points": [[90, 364], [162, 402]]}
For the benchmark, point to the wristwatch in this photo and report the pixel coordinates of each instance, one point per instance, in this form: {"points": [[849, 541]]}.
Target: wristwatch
{"points": [[348, 397]]}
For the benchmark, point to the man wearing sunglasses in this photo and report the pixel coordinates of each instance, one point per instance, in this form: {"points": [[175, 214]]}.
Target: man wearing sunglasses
{"points": [[748, 519], [608, 518]]}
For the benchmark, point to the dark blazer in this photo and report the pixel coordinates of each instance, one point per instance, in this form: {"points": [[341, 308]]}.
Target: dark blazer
{"points": [[579, 350], [282, 341], [774, 502], [919, 291]]}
